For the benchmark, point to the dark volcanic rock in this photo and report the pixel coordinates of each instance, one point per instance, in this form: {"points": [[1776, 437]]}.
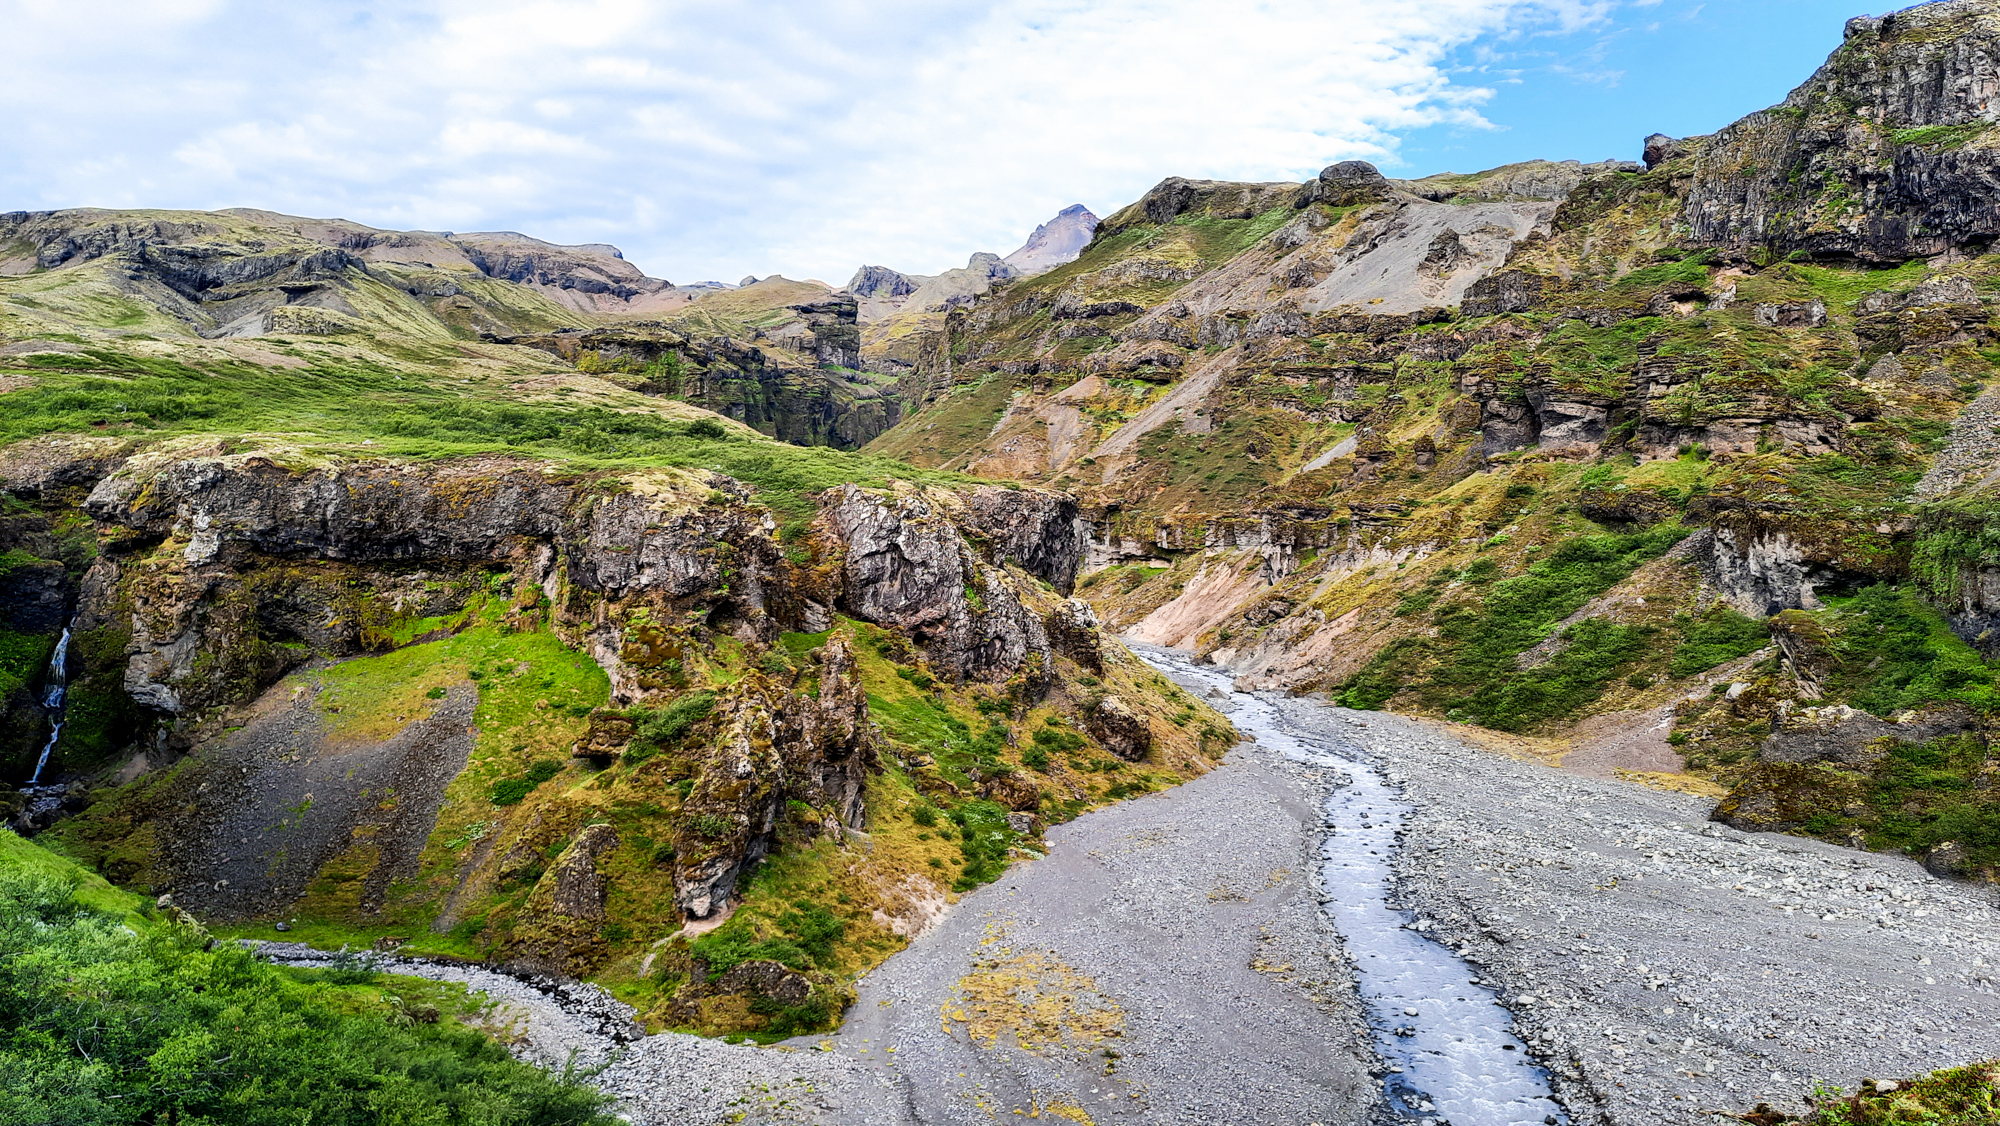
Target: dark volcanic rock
{"points": [[1888, 153], [481, 509], [907, 567], [1345, 184], [1122, 731], [880, 282]]}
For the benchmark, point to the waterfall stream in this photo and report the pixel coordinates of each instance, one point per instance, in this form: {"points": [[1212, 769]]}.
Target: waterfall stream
{"points": [[52, 699], [1438, 1027]]}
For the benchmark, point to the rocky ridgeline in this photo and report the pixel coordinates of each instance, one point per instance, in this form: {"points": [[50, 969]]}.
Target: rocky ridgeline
{"points": [[220, 573], [1312, 425]]}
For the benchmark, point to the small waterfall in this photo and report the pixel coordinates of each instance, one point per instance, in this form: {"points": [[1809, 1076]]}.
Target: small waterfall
{"points": [[52, 699]]}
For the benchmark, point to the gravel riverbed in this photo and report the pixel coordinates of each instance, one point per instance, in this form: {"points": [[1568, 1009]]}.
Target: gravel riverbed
{"points": [[1169, 962], [1661, 965]]}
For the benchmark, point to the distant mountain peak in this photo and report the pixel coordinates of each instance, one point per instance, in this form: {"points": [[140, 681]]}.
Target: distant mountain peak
{"points": [[1055, 242]]}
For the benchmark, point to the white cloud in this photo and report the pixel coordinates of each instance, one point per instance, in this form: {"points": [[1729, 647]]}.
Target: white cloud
{"points": [[713, 139]]}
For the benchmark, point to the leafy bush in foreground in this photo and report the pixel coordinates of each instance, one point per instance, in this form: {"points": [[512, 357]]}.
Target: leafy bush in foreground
{"points": [[99, 1025]]}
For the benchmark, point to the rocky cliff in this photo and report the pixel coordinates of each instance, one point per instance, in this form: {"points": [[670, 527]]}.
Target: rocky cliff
{"points": [[1888, 153], [551, 713], [1552, 444]]}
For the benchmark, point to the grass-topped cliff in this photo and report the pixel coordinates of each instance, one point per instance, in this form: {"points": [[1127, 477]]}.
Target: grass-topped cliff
{"points": [[402, 635], [1710, 434]]}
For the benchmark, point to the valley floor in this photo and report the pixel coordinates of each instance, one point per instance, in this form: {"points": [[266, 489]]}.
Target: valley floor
{"points": [[1661, 965], [1168, 962]]}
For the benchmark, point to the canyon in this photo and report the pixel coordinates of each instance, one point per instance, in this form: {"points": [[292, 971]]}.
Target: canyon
{"points": [[1281, 576]]}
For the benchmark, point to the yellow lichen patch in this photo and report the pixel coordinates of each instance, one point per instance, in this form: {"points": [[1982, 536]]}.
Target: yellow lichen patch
{"points": [[1069, 1110], [1674, 783], [1043, 1003]]}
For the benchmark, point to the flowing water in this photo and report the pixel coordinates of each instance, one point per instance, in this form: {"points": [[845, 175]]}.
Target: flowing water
{"points": [[52, 699], [1442, 1033]]}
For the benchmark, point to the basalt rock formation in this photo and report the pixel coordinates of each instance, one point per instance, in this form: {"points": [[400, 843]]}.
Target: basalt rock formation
{"points": [[1553, 442], [1888, 153], [553, 710]]}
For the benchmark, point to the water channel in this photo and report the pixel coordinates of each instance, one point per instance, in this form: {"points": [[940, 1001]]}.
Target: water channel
{"points": [[1441, 1033], [52, 699]]}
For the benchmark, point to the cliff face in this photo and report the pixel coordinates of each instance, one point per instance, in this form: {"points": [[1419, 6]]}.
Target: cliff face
{"points": [[1888, 153], [809, 394], [554, 713], [1556, 443]]}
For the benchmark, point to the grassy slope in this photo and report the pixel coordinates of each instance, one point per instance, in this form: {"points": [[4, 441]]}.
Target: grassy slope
{"points": [[1434, 549], [398, 387]]}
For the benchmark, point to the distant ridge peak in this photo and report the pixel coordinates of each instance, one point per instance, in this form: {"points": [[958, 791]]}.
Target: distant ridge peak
{"points": [[1055, 242]]}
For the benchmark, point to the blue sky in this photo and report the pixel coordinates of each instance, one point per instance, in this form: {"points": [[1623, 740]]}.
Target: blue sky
{"points": [[1674, 67], [713, 139]]}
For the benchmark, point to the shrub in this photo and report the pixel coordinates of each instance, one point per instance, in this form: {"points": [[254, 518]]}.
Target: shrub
{"points": [[1719, 635], [664, 728], [706, 429], [105, 1025]]}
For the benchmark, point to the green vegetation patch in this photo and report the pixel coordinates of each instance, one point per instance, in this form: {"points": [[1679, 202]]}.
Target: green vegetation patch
{"points": [[1886, 650], [1958, 1096], [1717, 635], [100, 1023], [352, 401], [1470, 669], [1942, 136]]}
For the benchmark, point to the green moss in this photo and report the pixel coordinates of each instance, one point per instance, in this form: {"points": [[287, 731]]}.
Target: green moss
{"points": [[1942, 136], [23, 656], [1469, 670], [1892, 651], [1717, 635]]}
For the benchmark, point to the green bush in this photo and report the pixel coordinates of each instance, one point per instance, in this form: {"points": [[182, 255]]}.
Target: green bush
{"points": [[809, 932], [815, 929], [101, 1026], [985, 839], [924, 815], [664, 728], [1718, 635], [512, 791]]}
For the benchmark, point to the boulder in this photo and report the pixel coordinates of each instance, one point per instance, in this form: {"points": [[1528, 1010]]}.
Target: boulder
{"points": [[1119, 729], [1947, 859], [1074, 631], [1848, 737], [1346, 184], [1661, 148], [767, 979]]}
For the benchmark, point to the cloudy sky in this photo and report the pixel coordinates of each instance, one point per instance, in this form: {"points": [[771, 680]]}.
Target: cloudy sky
{"points": [[711, 139]]}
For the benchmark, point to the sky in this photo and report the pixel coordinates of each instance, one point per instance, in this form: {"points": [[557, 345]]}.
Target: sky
{"points": [[712, 139]]}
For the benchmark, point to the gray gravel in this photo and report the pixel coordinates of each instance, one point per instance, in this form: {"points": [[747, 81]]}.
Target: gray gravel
{"points": [[1659, 965], [1663, 965], [1191, 912]]}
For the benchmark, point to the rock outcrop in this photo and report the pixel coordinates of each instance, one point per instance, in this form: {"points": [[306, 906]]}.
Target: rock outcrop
{"points": [[566, 908], [905, 565], [1889, 152], [1054, 243]]}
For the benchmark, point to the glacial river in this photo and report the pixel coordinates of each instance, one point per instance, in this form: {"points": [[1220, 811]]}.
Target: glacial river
{"points": [[1442, 1034]]}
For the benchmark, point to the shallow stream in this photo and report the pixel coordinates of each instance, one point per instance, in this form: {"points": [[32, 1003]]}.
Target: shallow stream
{"points": [[1442, 1034]]}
